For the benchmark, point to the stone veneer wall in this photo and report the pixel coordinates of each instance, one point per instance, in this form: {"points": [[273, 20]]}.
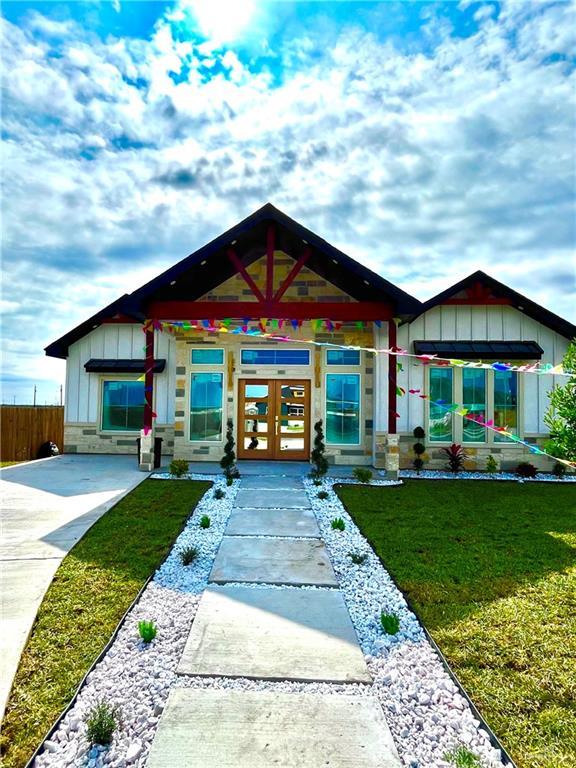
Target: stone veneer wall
{"points": [[87, 438], [507, 456]]}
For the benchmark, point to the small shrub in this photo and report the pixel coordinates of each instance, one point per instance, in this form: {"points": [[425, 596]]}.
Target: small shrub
{"points": [[148, 630], [362, 474], [228, 461], [358, 558], [317, 456], [188, 555], [419, 449], [456, 457], [323, 494], [338, 524], [101, 722], [219, 493], [178, 467], [316, 481], [229, 481], [390, 623], [462, 757], [559, 469], [418, 433], [525, 469], [418, 463], [491, 464], [204, 521]]}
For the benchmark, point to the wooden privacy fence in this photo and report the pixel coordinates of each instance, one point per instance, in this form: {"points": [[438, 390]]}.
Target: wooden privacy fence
{"points": [[23, 429]]}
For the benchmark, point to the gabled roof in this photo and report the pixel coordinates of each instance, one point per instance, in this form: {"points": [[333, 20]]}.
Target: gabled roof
{"points": [[499, 290], [209, 266]]}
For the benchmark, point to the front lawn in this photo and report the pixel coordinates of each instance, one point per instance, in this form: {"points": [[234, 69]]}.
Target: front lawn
{"points": [[490, 568], [92, 589]]}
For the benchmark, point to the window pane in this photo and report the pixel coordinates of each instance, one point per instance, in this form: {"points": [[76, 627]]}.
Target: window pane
{"points": [[123, 406], [343, 357], [342, 408], [275, 356], [505, 403], [207, 357], [440, 421], [206, 406], [474, 399]]}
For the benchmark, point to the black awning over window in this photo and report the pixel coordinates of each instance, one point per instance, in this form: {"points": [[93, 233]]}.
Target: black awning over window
{"points": [[121, 366], [474, 350]]}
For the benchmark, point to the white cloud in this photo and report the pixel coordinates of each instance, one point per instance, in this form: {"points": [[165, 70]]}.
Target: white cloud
{"points": [[123, 156]]}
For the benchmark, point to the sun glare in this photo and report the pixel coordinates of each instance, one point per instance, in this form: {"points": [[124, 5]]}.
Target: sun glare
{"points": [[222, 20]]}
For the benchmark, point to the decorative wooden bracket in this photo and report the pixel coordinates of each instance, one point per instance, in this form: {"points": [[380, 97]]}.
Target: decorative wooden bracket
{"points": [[292, 274], [242, 270]]}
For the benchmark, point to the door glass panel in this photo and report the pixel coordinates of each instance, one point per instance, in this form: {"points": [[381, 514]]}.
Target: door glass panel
{"points": [[256, 390], [292, 426], [252, 426], [255, 443], [255, 408], [292, 390], [291, 443]]}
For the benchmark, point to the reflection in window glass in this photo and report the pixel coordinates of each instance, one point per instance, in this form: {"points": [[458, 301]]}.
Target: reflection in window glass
{"points": [[505, 403], [440, 421], [343, 357], [474, 399], [343, 408], [275, 356], [207, 357], [205, 406], [123, 406]]}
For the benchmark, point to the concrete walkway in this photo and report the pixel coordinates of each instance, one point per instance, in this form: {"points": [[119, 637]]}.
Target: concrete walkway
{"points": [[247, 628], [47, 506]]}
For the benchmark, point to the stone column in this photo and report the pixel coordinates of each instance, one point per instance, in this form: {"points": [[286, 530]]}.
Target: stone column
{"points": [[392, 460], [146, 450]]}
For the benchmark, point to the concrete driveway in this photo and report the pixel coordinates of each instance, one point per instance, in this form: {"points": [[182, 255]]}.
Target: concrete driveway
{"points": [[47, 506]]}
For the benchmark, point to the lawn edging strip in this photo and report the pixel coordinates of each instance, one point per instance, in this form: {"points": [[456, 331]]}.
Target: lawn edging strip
{"points": [[494, 740], [425, 709]]}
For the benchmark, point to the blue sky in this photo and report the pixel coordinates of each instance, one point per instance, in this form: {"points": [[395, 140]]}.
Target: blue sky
{"points": [[426, 140]]}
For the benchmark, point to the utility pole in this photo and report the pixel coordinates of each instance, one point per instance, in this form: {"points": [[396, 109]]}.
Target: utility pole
{"points": [[60, 394], [34, 395]]}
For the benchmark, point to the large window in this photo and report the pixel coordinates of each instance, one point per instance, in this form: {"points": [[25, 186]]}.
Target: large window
{"points": [[440, 426], [122, 406], [487, 395], [474, 399], [273, 356], [206, 407], [343, 408], [506, 403]]}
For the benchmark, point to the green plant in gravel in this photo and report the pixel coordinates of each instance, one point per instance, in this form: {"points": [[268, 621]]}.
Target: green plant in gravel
{"points": [[317, 456], [362, 474], [323, 495], [228, 461], [219, 493], [101, 722], [490, 570], [462, 757], [229, 481], [419, 449], [358, 558], [147, 630], [491, 464], [390, 623], [188, 555], [91, 591], [317, 481], [178, 467], [204, 521], [559, 470], [525, 469], [338, 524]]}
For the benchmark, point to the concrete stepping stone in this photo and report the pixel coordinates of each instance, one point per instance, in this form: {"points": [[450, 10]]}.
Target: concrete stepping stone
{"points": [[273, 482], [259, 729], [273, 561], [272, 522], [272, 499], [275, 634]]}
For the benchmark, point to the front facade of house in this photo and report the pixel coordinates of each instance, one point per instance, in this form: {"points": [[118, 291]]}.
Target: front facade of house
{"points": [[203, 358]]}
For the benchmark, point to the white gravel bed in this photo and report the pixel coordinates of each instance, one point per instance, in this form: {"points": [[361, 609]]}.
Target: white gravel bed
{"points": [[424, 708], [132, 675], [438, 474]]}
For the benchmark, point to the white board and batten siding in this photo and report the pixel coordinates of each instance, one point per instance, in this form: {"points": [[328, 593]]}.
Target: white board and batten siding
{"points": [[481, 323], [117, 342]]}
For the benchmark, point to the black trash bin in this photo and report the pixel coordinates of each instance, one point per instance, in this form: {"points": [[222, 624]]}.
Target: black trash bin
{"points": [[157, 451]]}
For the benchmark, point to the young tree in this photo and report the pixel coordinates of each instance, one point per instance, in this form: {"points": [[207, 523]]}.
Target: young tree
{"points": [[560, 417], [228, 461], [317, 457]]}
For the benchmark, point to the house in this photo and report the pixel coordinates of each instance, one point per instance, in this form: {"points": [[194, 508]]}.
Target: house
{"points": [[186, 352]]}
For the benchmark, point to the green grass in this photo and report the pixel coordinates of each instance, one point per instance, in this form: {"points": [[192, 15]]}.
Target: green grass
{"points": [[490, 569], [92, 589], [9, 463]]}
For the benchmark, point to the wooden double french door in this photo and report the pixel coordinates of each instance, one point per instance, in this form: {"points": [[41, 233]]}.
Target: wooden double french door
{"points": [[274, 419]]}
